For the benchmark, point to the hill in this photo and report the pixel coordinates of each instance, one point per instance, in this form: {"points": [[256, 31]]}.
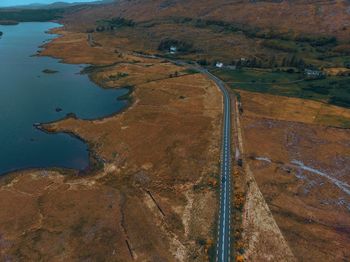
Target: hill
{"points": [[56, 5], [302, 16], [267, 32]]}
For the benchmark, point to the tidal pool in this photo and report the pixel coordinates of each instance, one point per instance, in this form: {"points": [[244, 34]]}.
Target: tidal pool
{"points": [[28, 96]]}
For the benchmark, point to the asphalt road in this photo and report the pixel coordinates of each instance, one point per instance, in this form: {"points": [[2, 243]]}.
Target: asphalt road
{"points": [[223, 247]]}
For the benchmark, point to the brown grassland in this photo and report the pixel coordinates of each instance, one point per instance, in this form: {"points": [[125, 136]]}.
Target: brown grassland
{"points": [[301, 165], [151, 192]]}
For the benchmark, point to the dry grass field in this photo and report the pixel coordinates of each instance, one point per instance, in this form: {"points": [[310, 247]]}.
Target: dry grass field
{"points": [[295, 110], [301, 165]]}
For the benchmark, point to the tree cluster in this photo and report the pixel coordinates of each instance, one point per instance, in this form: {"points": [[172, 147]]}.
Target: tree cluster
{"points": [[113, 24], [181, 46]]}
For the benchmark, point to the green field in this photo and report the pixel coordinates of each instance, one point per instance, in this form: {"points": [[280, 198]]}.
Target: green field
{"points": [[334, 90], [324, 55]]}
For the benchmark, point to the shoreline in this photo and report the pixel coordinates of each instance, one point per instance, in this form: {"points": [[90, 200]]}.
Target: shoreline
{"points": [[94, 161]]}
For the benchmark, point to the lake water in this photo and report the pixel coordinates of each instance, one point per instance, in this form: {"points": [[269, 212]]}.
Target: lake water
{"points": [[28, 96]]}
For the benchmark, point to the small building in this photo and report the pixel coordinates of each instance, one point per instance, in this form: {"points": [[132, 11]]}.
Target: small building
{"points": [[219, 65], [314, 74], [173, 50]]}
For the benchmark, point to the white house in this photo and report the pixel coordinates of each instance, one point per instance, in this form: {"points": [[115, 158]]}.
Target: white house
{"points": [[314, 74], [219, 64], [173, 49]]}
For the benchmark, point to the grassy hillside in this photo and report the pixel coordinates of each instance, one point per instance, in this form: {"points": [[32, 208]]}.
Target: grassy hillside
{"points": [[227, 30], [321, 17]]}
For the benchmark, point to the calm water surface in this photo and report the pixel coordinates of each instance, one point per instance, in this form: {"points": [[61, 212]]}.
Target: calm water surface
{"points": [[28, 96]]}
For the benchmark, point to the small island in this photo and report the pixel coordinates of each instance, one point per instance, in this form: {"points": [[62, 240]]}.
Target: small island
{"points": [[49, 71]]}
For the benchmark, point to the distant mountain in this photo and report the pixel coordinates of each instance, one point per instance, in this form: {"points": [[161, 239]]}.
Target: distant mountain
{"points": [[57, 5]]}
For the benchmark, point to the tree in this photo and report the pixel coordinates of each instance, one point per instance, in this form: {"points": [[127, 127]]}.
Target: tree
{"points": [[259, 64], [301, 64], [284, 62], [203, 62], [292, 61], [253, 62], [239, 63], [272, 62]]}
